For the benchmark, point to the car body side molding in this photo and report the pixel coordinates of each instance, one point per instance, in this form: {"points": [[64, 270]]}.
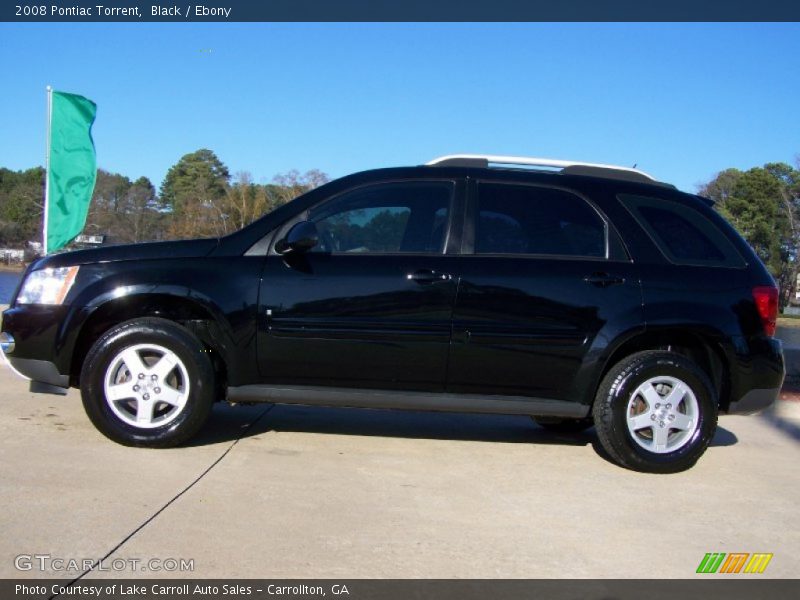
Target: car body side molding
{"points": [[406, 400]]}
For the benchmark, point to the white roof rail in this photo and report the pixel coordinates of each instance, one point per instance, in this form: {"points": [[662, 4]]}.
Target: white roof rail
{"points": [[528, 162]]}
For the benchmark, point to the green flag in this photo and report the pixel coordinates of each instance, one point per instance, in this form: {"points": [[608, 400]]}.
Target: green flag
{"points": [[72, 168]]}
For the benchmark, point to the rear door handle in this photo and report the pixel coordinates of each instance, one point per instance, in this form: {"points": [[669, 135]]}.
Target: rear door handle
{"points": [[428, 276], [603, 279]]}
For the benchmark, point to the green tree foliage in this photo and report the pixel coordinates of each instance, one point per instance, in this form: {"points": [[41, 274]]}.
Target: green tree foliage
{"points": [[142, 217], [201, 200], [197, 199], [199, 170], [245, 201], [124, 211], [763, 204], [373, 230], [21, 194], [721, 187], [287, 186], [194, 191]]}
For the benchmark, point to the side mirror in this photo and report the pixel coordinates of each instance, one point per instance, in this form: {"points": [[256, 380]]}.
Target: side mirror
{"points": [[302, 237]]}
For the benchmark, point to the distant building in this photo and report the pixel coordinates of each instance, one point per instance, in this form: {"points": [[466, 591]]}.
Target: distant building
{"points": [[94, 240], [11, 255]]}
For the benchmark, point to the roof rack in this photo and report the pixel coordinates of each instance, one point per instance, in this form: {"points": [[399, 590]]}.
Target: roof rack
{"points": [[567, 166]]}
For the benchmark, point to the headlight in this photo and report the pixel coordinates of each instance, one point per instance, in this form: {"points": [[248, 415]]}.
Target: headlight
{"points": [[47, 286]]}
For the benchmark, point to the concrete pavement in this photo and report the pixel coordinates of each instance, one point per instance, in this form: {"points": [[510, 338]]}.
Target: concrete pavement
{"points": [[790, 336], [314, 492]]}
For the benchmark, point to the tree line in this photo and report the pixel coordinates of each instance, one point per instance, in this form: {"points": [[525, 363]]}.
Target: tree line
{"points": [[200, 198], [763, 204]]}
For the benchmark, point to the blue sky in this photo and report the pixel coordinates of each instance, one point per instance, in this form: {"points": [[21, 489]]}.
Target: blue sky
{"points": [[683, 101]]}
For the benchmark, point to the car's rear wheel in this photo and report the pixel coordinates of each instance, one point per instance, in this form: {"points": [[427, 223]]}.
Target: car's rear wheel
{"points": [[655, 411], [148, 382]]}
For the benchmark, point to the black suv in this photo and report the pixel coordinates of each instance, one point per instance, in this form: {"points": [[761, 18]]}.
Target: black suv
{"points": [[577, 294]]}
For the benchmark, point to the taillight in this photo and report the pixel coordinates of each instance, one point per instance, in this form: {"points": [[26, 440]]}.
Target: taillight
{"points": [[766, 298]]}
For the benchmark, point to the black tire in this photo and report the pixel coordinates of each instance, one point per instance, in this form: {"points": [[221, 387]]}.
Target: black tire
{"points": [[611, 413], [194, 373], [564, 425]]}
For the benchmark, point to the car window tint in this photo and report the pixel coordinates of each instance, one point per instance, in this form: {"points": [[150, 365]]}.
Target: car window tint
{"points": [[684, 240], [520, 219], [684, 235], [386, 218]]}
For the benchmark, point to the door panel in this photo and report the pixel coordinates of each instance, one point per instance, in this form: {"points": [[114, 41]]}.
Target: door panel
{"points": [[541, 285], [353, 321], [524, 326], [371, 305]]}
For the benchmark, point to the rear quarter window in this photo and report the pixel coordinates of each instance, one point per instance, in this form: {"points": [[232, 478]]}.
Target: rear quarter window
{"points": [[684, 235]]}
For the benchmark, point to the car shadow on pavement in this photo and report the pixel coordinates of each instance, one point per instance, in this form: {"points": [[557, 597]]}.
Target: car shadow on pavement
{"points": [[229, 423], [788, 427], [722, 437]]}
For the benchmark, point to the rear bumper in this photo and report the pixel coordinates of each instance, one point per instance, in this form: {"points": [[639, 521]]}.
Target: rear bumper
{"points": [[763, 371], [754, 401]]}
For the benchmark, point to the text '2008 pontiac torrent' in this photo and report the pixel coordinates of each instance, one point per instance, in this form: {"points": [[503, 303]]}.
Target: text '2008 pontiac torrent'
{"points": [[577, 294]]}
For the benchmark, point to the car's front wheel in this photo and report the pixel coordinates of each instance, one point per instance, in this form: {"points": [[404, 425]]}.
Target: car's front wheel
{"points": [[148, 382], [655, 411]]}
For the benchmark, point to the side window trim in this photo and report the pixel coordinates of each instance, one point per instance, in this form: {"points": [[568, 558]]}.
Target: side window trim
{"points": [[468, 242], [452, 206]]}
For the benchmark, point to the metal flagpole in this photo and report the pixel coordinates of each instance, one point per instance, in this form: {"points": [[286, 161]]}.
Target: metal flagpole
{"points": [[47, 170]]}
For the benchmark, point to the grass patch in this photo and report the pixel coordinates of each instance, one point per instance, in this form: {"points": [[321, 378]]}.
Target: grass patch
{"points": [[792, 321]]}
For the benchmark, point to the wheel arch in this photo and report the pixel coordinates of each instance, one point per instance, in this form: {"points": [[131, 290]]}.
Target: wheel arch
{"points": [[702, 346], [196, 316]]}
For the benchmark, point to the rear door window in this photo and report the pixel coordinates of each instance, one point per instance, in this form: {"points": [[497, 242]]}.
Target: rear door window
{"points": [[527, 219]]}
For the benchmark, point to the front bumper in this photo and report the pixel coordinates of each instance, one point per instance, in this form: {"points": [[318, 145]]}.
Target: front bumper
{"points": [[30, 346], [43, 374]]}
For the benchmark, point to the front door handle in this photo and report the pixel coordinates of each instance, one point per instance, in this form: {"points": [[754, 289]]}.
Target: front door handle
{"points": [[424, 276], [603, 280]]}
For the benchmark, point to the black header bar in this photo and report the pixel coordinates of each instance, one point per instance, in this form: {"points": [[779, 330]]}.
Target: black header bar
{"points": [[398, 10]]}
